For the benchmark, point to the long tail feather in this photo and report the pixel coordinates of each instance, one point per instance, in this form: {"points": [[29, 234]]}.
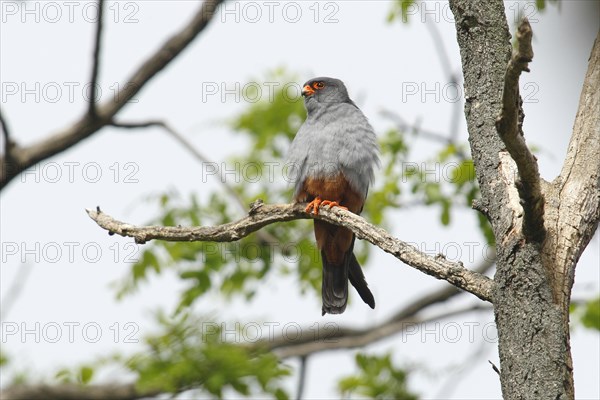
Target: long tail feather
{"points": [[335, 286], [357, 278]]}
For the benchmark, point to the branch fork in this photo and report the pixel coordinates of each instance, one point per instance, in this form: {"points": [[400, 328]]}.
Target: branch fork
{"points": [[509, 126]]}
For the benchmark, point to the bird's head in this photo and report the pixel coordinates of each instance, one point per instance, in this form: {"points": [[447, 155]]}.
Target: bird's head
{"points": [[325, 90]]}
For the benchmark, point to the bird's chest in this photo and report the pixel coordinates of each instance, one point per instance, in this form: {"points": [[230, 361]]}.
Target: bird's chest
{"points": [[323, 154]]}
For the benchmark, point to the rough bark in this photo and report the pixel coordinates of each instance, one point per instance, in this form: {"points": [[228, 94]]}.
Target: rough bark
{"points": [[533, 279], [510, 128]]}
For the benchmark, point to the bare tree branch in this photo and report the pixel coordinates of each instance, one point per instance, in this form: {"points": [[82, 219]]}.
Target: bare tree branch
{"points": [[21, 158], [96, 61], [509, 125], [261, 215]]}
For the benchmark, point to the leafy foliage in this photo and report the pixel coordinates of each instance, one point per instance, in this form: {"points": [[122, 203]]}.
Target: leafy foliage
{"points": [[191, 354], [541, 4], [184, 356], [3, 359], [588, 313], [400, 8], [82, 375], [377, 378]]}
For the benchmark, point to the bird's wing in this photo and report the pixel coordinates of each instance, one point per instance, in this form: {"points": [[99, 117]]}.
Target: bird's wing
{"points": [[358, 152], [296, 162]]}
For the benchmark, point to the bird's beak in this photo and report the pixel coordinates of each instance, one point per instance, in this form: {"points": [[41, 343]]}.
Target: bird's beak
{"points": [[307, 91]]}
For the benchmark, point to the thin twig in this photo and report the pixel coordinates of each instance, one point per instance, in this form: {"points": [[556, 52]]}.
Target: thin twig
{"points": [[8, 143], [509, 125], [96, 61], [452, 78], [301, 378], [440, 49], [416, 130], [264, 236], [14, 291], [496, 370], [459, 372], [190, 148], [261, 215], [402, 125]]}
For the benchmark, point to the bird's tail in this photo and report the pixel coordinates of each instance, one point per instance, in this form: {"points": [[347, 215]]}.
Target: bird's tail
{"points": [[357, 278], [335, 284], [334, 288]]}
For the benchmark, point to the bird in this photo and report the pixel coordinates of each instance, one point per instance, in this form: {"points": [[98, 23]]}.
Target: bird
{"points": [[332, 161]]}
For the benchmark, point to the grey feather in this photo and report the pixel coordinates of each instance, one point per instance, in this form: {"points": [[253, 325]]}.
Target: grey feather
{"points": [[336, 137]]}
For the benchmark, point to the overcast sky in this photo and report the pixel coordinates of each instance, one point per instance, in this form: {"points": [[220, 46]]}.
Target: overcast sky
{"points": [[46, 60]]}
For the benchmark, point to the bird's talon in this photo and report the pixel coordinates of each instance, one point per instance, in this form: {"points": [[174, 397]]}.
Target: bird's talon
{"points": [[313, 206], [332, 204]]}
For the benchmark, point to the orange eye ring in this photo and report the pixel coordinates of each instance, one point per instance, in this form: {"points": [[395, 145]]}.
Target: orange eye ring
{"points": [[318, 85]]}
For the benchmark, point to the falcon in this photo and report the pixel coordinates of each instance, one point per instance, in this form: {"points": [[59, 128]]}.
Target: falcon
{"points": [[332, 160]]}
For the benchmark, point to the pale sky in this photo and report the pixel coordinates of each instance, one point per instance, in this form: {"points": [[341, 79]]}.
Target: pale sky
{"points": [[46, 59]]}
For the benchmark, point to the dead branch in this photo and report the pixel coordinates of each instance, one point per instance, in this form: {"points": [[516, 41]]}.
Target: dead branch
{"points": [[509, 125], [261, 215]]}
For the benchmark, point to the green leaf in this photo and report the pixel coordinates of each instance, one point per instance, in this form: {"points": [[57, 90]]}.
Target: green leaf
{"points": [[400, 8], [3, 359], [377, 378], [588, 313], [85, 374], [445, 216], [64, 375]]}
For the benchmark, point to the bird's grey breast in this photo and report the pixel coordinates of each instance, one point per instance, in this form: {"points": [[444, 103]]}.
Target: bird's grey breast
{"points": [[333, 139]]}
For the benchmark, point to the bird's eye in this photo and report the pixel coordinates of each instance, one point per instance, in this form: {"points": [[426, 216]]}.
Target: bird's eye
{"points": [[319, 85]]}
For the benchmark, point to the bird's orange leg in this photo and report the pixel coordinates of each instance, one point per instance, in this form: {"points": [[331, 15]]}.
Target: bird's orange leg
{"points": [[332, 204], [313, 206]]}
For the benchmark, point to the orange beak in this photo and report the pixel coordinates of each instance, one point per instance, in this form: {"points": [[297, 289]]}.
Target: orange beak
{"points": [[307, 91]]}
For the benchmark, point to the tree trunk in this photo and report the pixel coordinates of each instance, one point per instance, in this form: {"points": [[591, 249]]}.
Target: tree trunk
{"points": [[534, 277]]}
